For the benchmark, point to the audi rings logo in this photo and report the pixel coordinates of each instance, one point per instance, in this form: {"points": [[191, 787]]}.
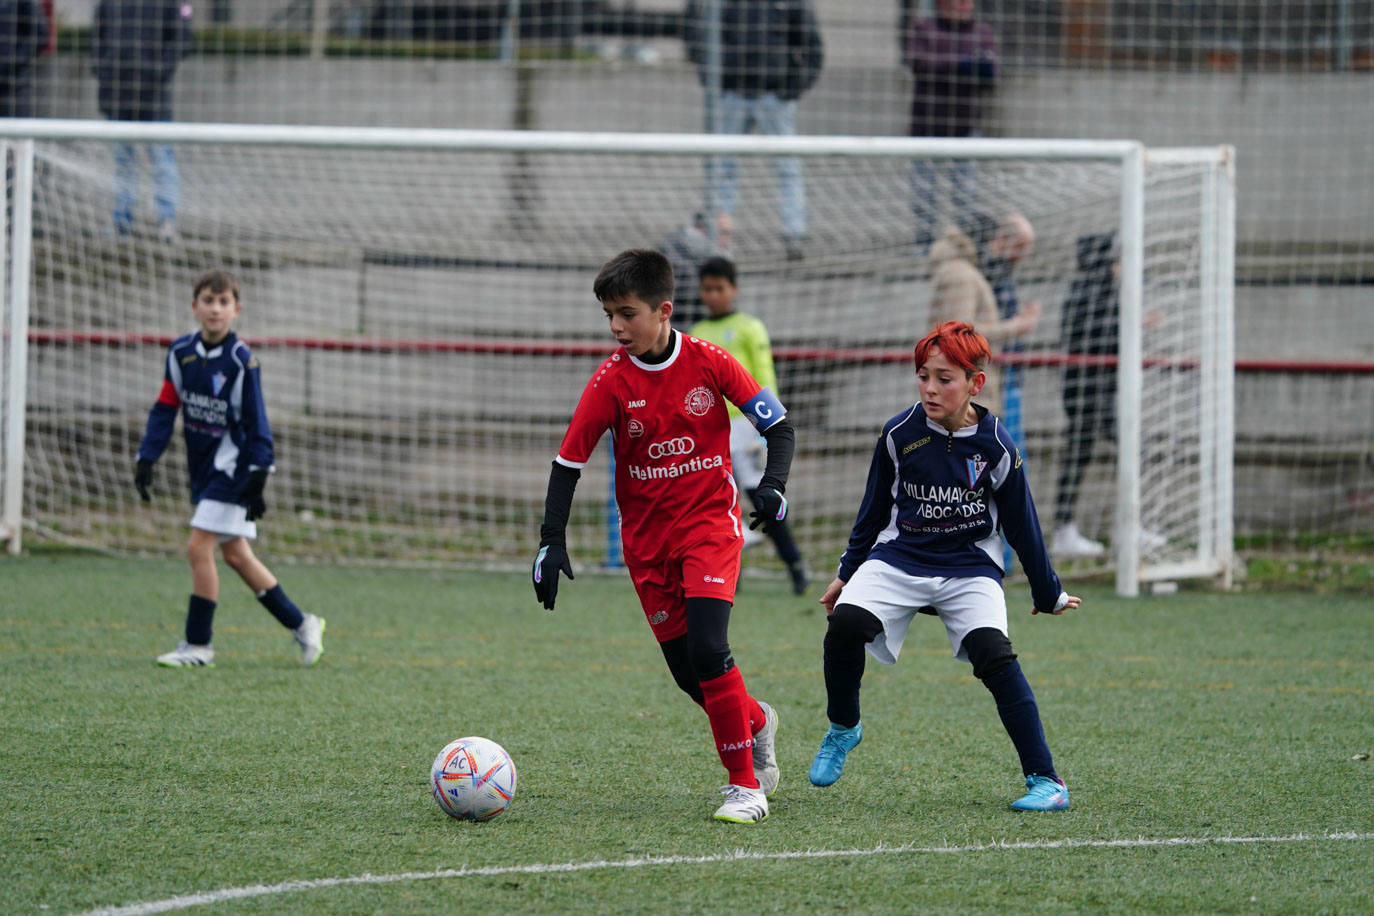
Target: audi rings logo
{"points": [[672, 448]]}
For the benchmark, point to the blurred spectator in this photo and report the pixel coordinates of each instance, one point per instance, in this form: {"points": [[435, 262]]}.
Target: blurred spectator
{"points": [[770, 55], [688, 247], [960, 292], [23, 36], [1004, 243], [136, 46], [953, 60], [1090, 326]]}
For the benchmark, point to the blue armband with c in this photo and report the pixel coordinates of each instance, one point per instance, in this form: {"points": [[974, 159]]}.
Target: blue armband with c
{"points": [[764, 409]]}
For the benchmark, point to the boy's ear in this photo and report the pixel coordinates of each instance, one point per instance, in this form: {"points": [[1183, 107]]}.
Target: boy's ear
{"points": [[666, 307], [980, 378]]}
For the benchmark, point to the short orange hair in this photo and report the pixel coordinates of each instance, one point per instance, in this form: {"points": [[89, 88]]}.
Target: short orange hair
{"points": [[960, 344]]}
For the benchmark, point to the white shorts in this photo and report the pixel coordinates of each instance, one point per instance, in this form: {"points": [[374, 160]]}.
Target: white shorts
{"points": [[748, 452], [894, 597], [228, 520]]}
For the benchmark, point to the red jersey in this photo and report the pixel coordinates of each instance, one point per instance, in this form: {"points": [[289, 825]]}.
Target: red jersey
{"points": [[671, 439]]}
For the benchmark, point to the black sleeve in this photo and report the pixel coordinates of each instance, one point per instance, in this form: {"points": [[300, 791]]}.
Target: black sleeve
{"points": [[558, 504], [782, 442]]}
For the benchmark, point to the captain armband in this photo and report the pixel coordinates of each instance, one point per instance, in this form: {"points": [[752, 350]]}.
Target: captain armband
{"points": [[764, 409]]}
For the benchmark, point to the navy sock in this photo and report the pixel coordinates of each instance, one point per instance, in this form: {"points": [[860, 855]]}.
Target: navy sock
{"points": [[1021, 718], [200, 613], [282, 607], [844, 671]]}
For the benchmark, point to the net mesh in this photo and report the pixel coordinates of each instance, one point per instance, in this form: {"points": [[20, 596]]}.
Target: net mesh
{"points": [[425, 325]]}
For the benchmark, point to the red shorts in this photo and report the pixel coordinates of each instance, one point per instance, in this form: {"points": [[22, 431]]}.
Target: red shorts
{"points": [[707, 568]]}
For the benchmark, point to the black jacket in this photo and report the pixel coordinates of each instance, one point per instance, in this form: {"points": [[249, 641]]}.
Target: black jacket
{"points": [[23, 34], [766, 45], [136, 46]]}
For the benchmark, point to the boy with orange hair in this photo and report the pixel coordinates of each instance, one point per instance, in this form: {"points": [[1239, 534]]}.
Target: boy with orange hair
{"points": [[945, 483]]}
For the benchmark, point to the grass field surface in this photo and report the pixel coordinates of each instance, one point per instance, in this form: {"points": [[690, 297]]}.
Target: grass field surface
{"points": [[1216, 747]]}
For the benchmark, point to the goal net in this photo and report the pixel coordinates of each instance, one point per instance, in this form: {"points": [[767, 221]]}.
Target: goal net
{"points": [[421, 305]]}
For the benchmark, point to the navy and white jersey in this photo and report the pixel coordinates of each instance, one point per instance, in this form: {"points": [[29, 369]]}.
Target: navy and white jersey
{"points": [[224, 420], [936, 500]]}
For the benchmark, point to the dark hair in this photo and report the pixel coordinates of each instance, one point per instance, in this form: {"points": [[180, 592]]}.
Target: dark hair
{"points": [[717, 267], [218, 281], [638, 272]]}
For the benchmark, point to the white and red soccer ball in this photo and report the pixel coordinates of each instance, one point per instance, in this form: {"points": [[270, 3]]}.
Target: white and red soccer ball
{"points": [[473, 779]]}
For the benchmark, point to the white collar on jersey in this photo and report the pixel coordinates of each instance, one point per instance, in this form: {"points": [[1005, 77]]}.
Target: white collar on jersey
{"points": [[208, 354], [675, 348]]}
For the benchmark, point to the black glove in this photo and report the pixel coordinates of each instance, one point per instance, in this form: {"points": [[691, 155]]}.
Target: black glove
{"points": [[143, 479], [770, 508], [548, 563], [252, 495]]}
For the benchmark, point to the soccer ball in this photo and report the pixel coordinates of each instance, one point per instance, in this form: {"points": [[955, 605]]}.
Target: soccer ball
{"points": [[473, 779]]}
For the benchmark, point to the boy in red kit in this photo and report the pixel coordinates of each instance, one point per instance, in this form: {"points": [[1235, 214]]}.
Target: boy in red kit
{"points": [[662, 395]]}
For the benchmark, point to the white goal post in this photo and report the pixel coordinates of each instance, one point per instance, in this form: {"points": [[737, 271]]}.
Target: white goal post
{"points": [[493, 223]]}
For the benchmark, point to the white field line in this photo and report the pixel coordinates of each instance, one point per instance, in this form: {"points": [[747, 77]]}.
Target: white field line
{"points": [[288, 887]]}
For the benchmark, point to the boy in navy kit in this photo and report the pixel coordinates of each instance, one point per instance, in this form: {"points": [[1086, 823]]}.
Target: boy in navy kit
{"points": [[213, 380], [946, 481], [662, 396]]}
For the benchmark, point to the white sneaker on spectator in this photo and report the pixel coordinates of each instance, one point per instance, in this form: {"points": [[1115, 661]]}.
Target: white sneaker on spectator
{"points": [[167, 233], [1151, 541], [1070, 542]]}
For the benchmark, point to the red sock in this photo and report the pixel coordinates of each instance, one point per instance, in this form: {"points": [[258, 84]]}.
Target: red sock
{"points": [[727, 706]]}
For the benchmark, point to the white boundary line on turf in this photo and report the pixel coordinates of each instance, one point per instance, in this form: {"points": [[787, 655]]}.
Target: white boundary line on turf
{"points": [[286, 887]]}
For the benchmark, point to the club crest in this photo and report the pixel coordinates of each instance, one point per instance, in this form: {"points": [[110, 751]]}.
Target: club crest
{"points": [[699, 401], [975, 466], [217, 382]]}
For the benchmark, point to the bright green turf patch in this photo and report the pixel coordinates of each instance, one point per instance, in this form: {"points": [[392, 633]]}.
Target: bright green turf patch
{"points": [[1196, 715]]}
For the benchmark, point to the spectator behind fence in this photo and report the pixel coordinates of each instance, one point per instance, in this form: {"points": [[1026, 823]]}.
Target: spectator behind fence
{"points": [[1004, 243], [688, 247], [23, 36], [953, 60], [136, 46], [770, 55], [960, 292]]}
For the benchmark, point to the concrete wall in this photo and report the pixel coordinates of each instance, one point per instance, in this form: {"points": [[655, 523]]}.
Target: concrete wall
{"points": [[1302, 139]]}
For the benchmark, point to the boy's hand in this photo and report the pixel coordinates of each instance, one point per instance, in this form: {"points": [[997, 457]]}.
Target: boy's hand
{"points": [[770, 507], [832, 594], [1066, 602], [252, 495], [548, 563], [143, 479]]}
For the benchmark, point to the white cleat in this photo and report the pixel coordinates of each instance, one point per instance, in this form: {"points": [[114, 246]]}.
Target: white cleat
{"points": [[310, 637], [765, 755], [186, 655], [742, 805], [1070, 542]]}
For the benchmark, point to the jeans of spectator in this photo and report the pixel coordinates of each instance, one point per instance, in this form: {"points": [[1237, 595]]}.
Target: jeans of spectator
{"points": [[166, 177], [925, 195], [772, 116]]}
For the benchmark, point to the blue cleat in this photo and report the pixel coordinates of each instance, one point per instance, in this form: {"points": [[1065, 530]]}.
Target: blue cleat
{"points": [[835, 746], [1043, 793]]}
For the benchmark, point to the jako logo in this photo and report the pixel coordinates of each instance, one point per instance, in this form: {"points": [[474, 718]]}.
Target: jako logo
{"points": [[634, 404], [716, 579], [658, 617], [737, 745], [679, 447]]}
